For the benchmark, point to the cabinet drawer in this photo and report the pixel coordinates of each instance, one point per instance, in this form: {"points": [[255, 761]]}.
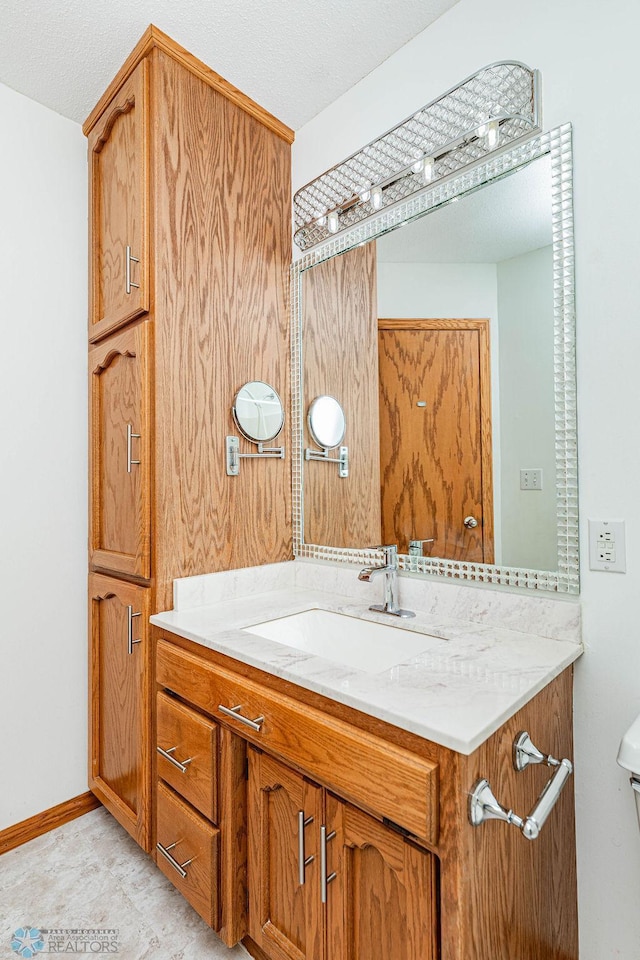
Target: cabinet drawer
{"points": [[192, 844], [191, 741], [374, 773]]}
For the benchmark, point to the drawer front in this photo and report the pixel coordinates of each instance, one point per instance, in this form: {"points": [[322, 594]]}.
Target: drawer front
{"points": [[372, 772], [193, 867], [188, 761]]}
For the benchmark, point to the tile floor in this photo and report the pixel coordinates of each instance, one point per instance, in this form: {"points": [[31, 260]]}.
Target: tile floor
{"points": [[90, 874]]}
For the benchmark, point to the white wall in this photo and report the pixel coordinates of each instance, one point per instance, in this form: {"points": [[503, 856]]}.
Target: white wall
{"points": [[527, 422], [587, 52], [43, 427]]}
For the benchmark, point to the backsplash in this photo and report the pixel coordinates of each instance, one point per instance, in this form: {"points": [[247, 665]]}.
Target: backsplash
{"points": [[551, 617]]}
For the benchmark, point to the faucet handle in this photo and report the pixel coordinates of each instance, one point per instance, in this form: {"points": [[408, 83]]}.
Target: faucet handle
{"points": [[415, 546], [390, 552]]}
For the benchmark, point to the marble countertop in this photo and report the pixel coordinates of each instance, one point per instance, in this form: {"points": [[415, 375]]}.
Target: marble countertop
{"points": [[470, 680]]}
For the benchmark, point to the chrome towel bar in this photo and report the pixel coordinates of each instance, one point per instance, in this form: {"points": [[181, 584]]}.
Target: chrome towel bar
{"points": [[484, 806]]}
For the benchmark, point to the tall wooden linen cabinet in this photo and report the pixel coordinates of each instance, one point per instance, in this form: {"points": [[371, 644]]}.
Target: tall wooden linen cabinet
{"points": [[190, 244]]}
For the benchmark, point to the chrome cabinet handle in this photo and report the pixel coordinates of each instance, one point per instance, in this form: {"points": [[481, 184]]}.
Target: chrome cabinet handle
{"points": [[180, 764], [130, 437], [484, 806], [174, 863], [128, 260], [470, 523], [130, 640], [324, 879], [303, 862], [234, 713]]}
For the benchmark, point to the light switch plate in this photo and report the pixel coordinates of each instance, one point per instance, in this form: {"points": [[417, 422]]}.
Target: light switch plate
{"points": [[531, 478], [607, 546]]}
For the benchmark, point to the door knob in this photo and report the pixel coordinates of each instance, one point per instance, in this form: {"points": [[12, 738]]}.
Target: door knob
{"points": [[470, 523]]}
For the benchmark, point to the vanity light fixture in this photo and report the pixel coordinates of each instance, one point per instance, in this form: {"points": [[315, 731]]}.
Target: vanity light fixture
{"points": [[494, 108], [333, 222]]}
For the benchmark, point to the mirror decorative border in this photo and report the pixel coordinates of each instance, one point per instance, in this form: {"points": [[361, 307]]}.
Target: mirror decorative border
{"points": [[566, 579], [495, 107]]}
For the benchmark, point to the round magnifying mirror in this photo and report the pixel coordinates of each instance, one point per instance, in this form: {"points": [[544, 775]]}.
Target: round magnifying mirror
{"points": [[327, 422], [258, 411]]}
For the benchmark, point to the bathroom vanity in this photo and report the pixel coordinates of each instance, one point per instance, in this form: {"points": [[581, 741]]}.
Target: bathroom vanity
{"points": [[315, 810]]}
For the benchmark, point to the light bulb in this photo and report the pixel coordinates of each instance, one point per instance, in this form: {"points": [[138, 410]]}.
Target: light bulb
{"points": [[418, 164], [493, 134], [321, 219], [333, 222], [376, 198], [429, 164], [365, 193]]}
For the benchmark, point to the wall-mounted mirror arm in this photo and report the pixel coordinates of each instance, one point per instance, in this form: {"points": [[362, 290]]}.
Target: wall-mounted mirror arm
{"points": [[234, 456], [342, 459]]}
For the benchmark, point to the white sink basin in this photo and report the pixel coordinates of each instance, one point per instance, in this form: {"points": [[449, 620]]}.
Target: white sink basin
{"points": [[372, 647]]}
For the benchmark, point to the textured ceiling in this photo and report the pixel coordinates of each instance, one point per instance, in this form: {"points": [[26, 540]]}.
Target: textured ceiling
{"points": [[292, 57], [498, 222]]}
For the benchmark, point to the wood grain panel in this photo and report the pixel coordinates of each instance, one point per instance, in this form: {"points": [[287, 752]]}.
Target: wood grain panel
{"points": [[119, 207], [196, 847], [508, 897], [222, 241], [383, 902], [234, 894], [339, 348], [120, 703], [188, 736], [435, 460], [284, 916], [50, 819], [385, 779], [155, 38], [120, 521]]}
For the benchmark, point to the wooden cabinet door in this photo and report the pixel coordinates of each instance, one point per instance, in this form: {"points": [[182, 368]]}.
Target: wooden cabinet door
{"points": [[285, 915], [120, 733], [120, 525], [382, 902], [119, 202]]}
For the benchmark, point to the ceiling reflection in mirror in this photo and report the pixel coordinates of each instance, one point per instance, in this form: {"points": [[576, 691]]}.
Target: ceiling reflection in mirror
{"points": [[438, 341]]}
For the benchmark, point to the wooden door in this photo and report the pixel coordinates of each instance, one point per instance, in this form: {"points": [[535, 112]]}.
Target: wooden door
{"points": [[119, 773], [119, 202], [382, 902], [435, 436], [120, 523], [285, 916]]}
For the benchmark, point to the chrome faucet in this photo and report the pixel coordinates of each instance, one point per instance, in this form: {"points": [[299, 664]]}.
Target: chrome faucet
{"points": [[390, 570]]}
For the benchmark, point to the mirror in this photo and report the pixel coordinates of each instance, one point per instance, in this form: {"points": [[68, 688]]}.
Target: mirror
{"points": [[258, 411], [326, 422], [451, 345]]}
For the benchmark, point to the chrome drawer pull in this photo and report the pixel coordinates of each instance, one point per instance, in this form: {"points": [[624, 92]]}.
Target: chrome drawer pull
{"points": [[180, 764], [174, 863], [234, 713], [130, 640], [303, 862], [131, 436], [324, 879], [128, 259], [484, 806]]}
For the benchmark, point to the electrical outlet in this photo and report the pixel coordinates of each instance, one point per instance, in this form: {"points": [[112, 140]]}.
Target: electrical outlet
{"points": [[531, 479], [607, 546]]}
